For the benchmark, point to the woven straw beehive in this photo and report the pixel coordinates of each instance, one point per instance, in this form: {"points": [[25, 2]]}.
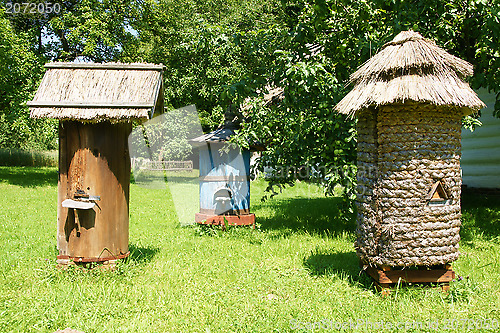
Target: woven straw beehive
{"points": [[409, 99]]}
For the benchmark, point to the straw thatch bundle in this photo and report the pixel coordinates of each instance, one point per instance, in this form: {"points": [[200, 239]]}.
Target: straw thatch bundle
{"points": [[411, 68], [409, 99], [96, 92]]}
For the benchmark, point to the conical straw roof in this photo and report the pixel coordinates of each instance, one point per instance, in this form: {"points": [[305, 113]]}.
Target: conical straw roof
{"points": [[411, 68]]}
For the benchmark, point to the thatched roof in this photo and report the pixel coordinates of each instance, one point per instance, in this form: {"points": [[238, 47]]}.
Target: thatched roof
{"points": [[96, 92], [220, 135], [411, 68], [224, 133]]}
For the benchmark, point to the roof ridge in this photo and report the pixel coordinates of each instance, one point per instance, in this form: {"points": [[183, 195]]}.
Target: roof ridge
{"points": [[402, 41]]}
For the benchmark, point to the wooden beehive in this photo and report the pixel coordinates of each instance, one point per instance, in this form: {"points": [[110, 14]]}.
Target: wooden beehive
{"points": [[409, 99], [95, 105], [224, 179]]}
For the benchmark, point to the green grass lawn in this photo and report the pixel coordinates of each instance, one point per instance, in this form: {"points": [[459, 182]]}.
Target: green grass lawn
{"points": [[299, 268]]}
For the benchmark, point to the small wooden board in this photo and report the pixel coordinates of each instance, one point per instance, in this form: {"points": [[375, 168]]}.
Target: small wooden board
{"points": [[68, 203], [232, 220], [411, 275], [387, 278]]}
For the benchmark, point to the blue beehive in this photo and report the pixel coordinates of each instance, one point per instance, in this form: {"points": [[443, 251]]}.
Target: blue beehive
{"points": [[224, 179]]}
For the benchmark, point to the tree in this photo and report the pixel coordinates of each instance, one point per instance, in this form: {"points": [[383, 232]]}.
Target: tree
{"points": [[192, 38], [85, 29], [302, 131], [20, 71], [96, 30], [91, 29], [303, 136], [195, 40]]}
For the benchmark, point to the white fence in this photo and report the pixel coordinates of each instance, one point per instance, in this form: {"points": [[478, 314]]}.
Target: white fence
{"points": [[144, 164]]}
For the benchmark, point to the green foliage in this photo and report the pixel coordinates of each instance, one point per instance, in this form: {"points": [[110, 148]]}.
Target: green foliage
{"points": [[90, 29], [85, 29], [302, 131], [471, 122], [20, 71], [304, 137], [195, 40], [166, 136]]}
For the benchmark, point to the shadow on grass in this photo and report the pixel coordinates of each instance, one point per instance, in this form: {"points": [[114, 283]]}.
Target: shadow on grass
{"points": [[140, 255], [480, 215], [315, 216], [341, 264], [322, 262], [29, 176]]}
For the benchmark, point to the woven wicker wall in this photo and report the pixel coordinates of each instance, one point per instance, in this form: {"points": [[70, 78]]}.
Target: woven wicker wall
{"points": [[402, 151]]}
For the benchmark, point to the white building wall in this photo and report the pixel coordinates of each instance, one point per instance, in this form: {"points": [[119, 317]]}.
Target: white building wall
{"points": [[481, 149]]}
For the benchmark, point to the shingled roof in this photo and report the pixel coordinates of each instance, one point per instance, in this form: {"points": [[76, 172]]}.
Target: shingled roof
{"points": [[411, 68], [96, 92]]}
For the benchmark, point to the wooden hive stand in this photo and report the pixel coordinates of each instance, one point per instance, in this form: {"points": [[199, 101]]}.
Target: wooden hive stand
{"points": [[387, 278]]}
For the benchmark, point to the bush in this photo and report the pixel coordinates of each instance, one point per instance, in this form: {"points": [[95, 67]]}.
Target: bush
{"points": [[18, 157]]}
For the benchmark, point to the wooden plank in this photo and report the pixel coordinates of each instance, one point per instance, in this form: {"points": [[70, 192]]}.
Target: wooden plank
{"points": [[94, 158], [68, 203], [385, 289], [159, 98], [118, 66], [62, 181], [480, 160], [411, 275], [100, 259], [78, 105], [248, 219]]}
